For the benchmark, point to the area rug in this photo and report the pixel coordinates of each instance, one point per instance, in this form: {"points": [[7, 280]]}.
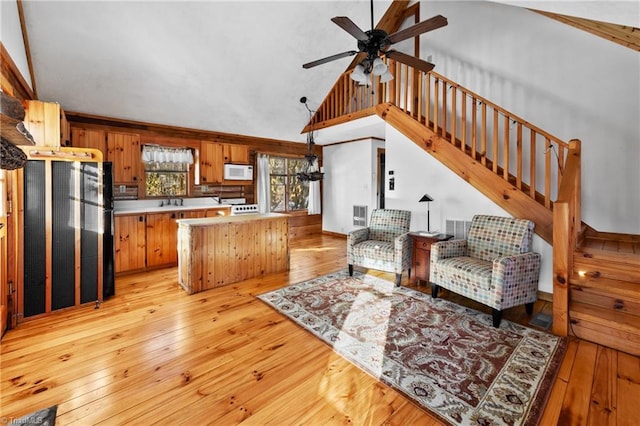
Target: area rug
{"points": [[446, 358]]}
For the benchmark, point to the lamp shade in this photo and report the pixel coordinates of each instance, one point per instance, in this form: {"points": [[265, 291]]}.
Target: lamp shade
{"points": [[387, 76], [358, 73], [425, 197], [378, 67]]}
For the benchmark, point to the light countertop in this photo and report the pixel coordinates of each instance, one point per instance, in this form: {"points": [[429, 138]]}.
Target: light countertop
{"points": [[208, 221]]}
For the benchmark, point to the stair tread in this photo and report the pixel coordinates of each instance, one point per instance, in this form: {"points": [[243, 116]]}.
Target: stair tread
{"points": [[614, 319], [607, 285]]}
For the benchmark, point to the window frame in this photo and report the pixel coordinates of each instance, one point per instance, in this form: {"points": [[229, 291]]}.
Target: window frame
{"points": [[288, 179]]}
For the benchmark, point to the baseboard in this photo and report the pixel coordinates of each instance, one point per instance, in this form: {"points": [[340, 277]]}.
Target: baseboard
{"points": [[547, 297], [334, 234]]}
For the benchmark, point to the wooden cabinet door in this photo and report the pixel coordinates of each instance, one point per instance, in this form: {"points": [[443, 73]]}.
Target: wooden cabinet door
{"points": [[236, 154], [129, 241], [211, 162], [123, 150], [162, 239], [90, 138]]}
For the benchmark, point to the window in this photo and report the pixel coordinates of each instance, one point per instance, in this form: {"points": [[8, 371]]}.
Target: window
{"points": [[166, 170], [287, 192]]}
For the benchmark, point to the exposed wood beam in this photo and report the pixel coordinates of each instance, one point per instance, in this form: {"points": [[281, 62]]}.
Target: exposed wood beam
{"points": [[27, 49], [626, 36]]}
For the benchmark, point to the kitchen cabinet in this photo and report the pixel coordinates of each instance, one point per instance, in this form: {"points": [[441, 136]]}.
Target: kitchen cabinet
{"points": [[130, 242], [90, 138], [236, 154], [211, 162], [47, 123], [123, 150], [162, 231]]}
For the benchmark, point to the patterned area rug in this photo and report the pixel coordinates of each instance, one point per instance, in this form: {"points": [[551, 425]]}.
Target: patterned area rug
{"points": [[447, 358]]}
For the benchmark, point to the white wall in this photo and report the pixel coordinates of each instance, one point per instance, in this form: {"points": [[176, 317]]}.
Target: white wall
{"points": [[564, 80], [11, 36], [350, 179], [417, 172]]}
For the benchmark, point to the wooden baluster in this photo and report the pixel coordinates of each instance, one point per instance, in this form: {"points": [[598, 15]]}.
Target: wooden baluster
{"points": [[419, 92], [532, 164], [561, 153], [436, 105], [505, 170], [496, 130], [407, 102], [463, 123], [474, 127], [519, 157], [483, 134], [444, 109], [454, 113], [547, 173], [427, 100]]}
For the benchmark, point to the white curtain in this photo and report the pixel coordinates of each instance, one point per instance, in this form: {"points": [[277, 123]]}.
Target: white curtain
{"points": [[314, 206], [264, 186]]}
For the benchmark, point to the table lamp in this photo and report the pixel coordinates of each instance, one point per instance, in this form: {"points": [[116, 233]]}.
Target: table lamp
{"points": [[426, 198]]}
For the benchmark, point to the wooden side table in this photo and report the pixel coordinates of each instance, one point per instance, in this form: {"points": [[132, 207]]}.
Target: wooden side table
{"points": [[421, 255]]}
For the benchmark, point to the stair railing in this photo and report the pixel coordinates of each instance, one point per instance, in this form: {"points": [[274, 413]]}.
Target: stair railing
{"points": [[526, 156]]}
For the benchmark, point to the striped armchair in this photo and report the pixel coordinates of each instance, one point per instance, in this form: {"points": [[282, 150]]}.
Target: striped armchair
{"points": [[385, 245], [494, 265]]}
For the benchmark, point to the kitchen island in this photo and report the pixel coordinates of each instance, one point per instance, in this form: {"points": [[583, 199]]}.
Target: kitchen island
{"points": [[216, 251]]}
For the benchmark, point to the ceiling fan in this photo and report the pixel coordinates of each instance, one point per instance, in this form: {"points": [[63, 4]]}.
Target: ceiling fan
{"points": [[375, 43]]}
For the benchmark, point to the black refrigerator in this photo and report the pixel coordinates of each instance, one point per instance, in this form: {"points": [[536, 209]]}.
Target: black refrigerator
{"points": [[60, 198], [108, 266]]}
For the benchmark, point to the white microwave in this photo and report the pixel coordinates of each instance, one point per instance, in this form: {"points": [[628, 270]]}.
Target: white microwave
{"points": [[238, 172]]}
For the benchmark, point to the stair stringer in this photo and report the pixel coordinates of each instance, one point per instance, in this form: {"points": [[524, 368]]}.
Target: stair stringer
{"points": [[496, 188]]}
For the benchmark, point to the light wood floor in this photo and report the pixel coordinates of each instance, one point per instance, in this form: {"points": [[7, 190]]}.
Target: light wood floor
{"points": [[154, 355]]}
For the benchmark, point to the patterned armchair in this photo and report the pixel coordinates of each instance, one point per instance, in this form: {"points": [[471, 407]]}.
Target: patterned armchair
{"points": [[494, 265], [385, 245]]}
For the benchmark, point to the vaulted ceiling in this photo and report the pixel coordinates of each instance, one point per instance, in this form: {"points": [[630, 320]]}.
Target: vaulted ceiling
{"points": [[229, 66]]}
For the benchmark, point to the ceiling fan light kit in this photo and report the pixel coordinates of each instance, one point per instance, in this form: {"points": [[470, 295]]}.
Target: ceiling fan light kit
{"points": [[375, 43]]}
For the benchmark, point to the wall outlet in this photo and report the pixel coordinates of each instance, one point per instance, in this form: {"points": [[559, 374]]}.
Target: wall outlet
{"points": [[430, 58], [204, 188], [122, 188]]}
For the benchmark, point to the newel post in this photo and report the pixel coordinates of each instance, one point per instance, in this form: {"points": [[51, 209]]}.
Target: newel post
{"points": [[566, 223]]}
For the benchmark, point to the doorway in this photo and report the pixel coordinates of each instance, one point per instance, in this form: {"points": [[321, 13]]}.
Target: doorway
{"points": [[380, 179]]}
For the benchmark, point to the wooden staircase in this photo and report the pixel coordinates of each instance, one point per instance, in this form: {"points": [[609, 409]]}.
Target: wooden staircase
{"points": [[528, 172], [604, 291]]}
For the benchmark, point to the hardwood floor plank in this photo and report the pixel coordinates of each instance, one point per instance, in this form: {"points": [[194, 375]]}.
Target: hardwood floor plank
{"points": [[603, 393], [575, 407], [154, 355], [628, 393]]}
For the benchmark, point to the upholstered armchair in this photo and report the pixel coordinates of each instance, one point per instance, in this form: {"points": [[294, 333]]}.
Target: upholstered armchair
{"points": [[494, 265], [385, 245]]}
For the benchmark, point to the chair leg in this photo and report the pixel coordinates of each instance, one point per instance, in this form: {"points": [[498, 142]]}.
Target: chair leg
{"points": [[434, 290], [497, 317], [350, 270], [398, 279], [529, 308], [409, 273]]}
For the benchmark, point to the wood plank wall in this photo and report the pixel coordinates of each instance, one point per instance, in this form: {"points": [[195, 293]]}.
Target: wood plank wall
{"points": [[301, 224]]}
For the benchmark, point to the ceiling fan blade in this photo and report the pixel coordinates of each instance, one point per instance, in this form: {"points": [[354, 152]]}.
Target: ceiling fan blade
{"points": [[410, 60], [349, 26], [329, 59], [417, 29]]}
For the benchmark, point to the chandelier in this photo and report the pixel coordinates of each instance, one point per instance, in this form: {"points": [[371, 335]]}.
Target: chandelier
{"points": [[310, 169], [372, 65]]}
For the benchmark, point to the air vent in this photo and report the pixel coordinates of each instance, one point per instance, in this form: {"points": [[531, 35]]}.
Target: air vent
{"points": [[360, 215], [458, 228]]}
